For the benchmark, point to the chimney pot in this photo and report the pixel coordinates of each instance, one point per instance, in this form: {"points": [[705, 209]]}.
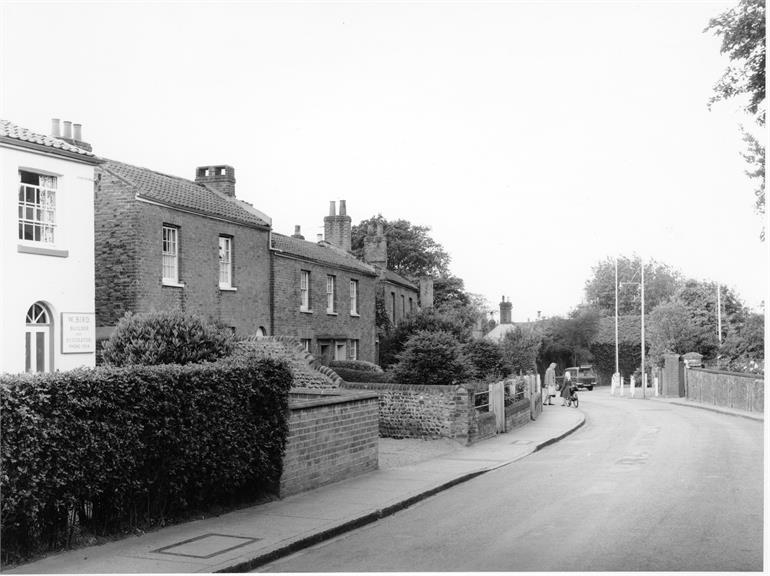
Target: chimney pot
{"points": [[343, 210], [68, 129], [55, 128], [76, 134], [296, 229], [319, 237], [332, 208], [220, 178]]}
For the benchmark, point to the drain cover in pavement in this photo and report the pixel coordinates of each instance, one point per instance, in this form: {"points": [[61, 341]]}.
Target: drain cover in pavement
{"points": [[206, 546]]}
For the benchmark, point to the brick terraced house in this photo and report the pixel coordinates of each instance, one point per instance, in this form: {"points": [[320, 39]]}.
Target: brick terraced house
{"points": [[164, 242], [324, 295], [46, 249]]}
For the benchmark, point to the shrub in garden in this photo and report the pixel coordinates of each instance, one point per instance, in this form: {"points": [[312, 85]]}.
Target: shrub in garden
{"points": [[165, 338], [486, 358], [117, 448], [351, 375], [360, 365], [432, 358]]}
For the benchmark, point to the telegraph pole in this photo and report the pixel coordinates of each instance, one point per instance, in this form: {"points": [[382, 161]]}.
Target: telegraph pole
{"points": [[617, 356], [643, 374]]}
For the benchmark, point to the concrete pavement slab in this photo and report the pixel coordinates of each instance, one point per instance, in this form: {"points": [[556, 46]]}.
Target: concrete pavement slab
{"points": [[249, 537]]}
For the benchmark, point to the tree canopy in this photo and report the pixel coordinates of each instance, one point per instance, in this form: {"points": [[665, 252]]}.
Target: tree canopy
{"points": [[742, 30], [660, 284], [411, 251]]}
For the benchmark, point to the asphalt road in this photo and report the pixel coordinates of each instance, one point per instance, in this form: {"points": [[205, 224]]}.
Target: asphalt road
{"points": [[643, 485]]}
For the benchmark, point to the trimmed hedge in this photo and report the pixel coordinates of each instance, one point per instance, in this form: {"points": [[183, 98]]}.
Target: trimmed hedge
{"points": [[107, 449], [350, 375], [359, 365]]}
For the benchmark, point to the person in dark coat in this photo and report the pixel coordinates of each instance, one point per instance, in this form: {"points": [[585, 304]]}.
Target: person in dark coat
{"points": [[565, 389]]}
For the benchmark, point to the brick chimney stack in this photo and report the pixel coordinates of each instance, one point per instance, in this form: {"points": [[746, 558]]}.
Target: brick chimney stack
{"points": [[376, 247], [220, 178], [72, 133], [337, 228], [297, 234], [505, 311]]}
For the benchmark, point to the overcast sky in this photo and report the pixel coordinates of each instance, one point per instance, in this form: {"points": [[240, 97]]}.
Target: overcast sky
{"points": [[535, 139]]}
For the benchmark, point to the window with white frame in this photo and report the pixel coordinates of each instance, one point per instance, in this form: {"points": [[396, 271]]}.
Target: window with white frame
{"points": [[37, 207], [354, 349], [304, 290], [225, 262], [354, 297], [170, 254], [340, 350], [306, 344], [331, 282]]}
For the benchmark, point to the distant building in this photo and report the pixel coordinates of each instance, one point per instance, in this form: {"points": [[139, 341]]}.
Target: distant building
{"points": [[498, 332], [324, 295], [169, 243], [46, 249]]}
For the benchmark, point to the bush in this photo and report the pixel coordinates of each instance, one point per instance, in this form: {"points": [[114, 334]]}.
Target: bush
{"points": [[432, 358], [116, 448], [486, 358], [165, 338], [429, 319], [350, 375], [359, 365]]}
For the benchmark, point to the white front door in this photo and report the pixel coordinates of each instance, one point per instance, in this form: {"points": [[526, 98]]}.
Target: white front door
{"points": [[37, 340]]}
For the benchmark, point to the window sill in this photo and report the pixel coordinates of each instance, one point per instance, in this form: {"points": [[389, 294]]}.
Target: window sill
{"points": [[331, 313], [42, 251], [171, 284], [305, 311], [228, 288], [354, 315]]}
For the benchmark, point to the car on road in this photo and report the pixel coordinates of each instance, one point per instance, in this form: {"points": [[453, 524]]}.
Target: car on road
{"points": [[583, 376]]}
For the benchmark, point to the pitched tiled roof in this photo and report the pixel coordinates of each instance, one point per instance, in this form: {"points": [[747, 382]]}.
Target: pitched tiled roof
{"points": [[322, 252], [10, 130], [391, 276], [181, 193]]}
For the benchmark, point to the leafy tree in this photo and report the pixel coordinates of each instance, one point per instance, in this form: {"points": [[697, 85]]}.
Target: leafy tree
{"points": [[486, 359], [660, 284], [432, 358], [745, 344], [411, 251], [742, 30], [671, 330], [454, 321], [449, 291], [520, 347]]}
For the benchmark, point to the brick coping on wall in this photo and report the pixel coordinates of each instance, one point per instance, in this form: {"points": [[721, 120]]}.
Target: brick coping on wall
{"points": [[325, 397], [726, 373]]}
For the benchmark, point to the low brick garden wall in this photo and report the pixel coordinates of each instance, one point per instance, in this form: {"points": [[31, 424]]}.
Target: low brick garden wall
{"points": [[332, 436], [518, 413], [729, 389]]}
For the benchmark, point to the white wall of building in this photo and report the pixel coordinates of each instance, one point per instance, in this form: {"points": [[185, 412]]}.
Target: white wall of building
{"points": [[64, 284]]}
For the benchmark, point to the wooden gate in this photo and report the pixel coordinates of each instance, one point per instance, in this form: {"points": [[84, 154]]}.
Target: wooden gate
{"points": [[497, 404]]}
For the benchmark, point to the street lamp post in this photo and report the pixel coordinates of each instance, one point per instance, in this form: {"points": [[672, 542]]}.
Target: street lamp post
{"points": [[644, 375]]}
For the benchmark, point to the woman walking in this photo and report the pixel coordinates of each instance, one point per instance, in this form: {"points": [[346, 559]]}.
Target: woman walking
{"points": [[550, 384]]}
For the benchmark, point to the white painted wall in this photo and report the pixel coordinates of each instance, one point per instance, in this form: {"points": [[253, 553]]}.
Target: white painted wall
{"points": [[64, 284]]}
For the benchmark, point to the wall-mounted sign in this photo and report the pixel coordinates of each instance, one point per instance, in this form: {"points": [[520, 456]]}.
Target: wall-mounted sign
{"points": [[78, 333]]}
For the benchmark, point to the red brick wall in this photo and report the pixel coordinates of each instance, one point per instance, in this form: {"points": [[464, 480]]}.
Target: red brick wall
{"points": [[116, 234], [390, 288], [329, 440], [288, 320], [128, 263]]}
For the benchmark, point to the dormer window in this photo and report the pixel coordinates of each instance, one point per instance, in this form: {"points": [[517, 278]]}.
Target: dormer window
{"points": [[37, 207]]}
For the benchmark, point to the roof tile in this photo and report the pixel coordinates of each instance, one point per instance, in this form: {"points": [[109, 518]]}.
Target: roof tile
{"points": [[322, 252], [10, 130], [181, 193]]}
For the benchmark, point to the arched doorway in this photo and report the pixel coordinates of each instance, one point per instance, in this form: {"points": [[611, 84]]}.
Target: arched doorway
{"points": [[37, 339]]}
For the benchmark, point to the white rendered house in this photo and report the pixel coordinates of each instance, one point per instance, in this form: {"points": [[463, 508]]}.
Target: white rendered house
{"points": [[47, 318]]}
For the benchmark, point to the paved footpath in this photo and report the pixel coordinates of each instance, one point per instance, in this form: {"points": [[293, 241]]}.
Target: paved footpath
{"points": [[247, 538]]}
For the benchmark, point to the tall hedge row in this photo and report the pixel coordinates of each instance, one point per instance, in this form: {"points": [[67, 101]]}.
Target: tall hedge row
{"points": [[111, 448]]}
